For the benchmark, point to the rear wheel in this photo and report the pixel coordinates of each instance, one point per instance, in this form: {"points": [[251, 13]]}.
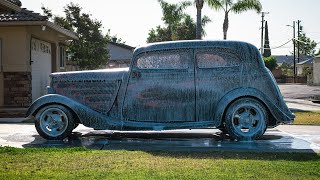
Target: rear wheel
{"points": [[54, 122], [246, 119]]}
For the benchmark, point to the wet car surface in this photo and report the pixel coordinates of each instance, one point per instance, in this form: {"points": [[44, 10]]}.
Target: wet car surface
{"points": [[274, 140], [169, 85]]}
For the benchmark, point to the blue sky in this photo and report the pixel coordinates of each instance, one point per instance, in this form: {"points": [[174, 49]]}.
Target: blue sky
{"points": [[132, 20]]}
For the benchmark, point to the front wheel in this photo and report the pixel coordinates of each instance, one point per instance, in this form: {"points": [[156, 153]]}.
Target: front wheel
{"points": [[54, 122], [246, 119]]}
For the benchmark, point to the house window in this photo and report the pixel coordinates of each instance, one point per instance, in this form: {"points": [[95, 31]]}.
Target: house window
{"points": [[0, 55], [62, 56]]}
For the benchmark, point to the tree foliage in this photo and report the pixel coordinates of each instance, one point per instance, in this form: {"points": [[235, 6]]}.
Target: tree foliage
{"points": [[306, 45], [231, 6], [270, 62], [178, 25], [287, 69], [89, 51]]}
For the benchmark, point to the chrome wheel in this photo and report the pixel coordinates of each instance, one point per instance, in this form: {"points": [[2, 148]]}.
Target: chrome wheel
{"points": [[53, 122], [246, 119]]}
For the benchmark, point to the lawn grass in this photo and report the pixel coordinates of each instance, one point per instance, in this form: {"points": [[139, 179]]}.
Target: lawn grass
{"points": [[80, 163], [307, 118]]}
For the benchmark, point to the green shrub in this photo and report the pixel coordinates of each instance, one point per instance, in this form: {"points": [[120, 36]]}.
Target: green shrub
{"points": [[270, 62]]}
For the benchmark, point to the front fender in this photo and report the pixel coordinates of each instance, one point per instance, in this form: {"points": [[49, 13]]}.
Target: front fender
{"points": [[50, 99], [278, 115], [86, 116]]}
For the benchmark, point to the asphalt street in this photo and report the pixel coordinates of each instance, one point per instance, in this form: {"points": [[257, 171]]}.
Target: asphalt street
{"points": [[299, 97]]}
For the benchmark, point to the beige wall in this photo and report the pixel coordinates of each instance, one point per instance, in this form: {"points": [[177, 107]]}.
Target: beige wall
{"points": [[316, 71], [14, 49]]}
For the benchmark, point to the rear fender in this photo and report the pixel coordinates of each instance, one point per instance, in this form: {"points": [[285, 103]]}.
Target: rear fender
{"points": [[277, 115]]}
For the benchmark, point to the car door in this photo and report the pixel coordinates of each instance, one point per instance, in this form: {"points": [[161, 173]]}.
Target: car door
{"points": [[218, 71], [161, 87]]}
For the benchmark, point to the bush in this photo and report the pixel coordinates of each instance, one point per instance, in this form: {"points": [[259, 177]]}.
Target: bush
{"points": [[270, 62]]}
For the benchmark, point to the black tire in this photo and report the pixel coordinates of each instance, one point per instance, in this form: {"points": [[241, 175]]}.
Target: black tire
{"points": [[54, 122], [223, 129], [75, 125], [246, 119]]}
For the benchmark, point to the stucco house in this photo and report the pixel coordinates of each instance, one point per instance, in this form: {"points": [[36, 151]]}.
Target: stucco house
{"points": [[31, 48], [303, 66], [316, 71], [120, 55]]}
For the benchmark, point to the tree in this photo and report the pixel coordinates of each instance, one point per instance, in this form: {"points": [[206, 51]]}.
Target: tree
{"points": [[270, 62], [172, 14], [306, 45], [89, 51], [199, 6], [287, 69], [266, 47], [181, 28], [237, 7]]}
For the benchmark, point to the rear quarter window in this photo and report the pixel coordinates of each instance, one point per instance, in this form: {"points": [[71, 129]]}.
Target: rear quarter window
{"points": [[217, 58]]}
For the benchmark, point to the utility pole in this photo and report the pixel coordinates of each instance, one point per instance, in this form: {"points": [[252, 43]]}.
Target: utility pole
{"points": [[294, 51], [262, 28], [298, 42]]}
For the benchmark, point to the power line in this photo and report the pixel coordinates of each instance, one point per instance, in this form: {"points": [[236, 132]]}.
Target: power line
{"points": [[277, 47]]}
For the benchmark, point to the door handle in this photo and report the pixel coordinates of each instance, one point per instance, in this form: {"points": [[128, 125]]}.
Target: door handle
{"points": [[136, 74]]}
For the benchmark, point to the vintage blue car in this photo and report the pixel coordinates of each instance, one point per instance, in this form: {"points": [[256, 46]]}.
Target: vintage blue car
{"points": [[169, 85]]}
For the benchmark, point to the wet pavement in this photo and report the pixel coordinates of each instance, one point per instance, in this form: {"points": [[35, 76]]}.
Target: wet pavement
{"points": [[281, 139]]}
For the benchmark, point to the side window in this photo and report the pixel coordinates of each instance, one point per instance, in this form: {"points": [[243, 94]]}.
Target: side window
{"points": [[164, 60], [212, 59]]}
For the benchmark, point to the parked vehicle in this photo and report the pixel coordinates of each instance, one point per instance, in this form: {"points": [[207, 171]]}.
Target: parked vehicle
{"points": [[169, 85]]}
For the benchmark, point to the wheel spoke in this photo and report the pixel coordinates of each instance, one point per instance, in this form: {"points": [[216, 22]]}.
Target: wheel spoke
{"points": [[239, 128], [256, 117], [54, 131]]}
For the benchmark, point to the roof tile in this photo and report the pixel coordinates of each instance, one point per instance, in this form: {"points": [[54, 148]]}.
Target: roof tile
{"points": [[23, 15]]}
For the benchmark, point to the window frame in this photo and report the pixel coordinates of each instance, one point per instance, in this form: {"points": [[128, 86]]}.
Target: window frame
{"points": [[62, 56], [1, 65]]}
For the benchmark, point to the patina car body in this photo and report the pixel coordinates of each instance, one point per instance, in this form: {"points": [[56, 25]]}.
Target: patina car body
{"points": [[169, 85]]}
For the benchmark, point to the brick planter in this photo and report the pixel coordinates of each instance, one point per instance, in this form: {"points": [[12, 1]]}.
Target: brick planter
{"points": [[17, 89]]}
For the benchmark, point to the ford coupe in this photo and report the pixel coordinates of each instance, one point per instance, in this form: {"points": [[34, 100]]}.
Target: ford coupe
{"points": [[169, 85]]}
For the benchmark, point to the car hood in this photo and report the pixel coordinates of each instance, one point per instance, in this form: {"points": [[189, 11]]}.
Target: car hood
{"points": [[95, 89], [93, 75]]}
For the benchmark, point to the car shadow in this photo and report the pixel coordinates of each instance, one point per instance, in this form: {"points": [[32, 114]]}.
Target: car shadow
{"points": [[156, 142]]}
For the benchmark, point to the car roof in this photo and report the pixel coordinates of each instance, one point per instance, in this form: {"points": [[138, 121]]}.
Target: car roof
{"points": [[238, 46]]}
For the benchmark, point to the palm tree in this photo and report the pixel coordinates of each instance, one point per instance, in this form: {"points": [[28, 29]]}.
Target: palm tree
{"points": [[173, 13], [199, 6], [236, 7]]}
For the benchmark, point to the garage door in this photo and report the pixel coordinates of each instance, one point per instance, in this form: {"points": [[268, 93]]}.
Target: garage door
{"points": [[41, 67]]}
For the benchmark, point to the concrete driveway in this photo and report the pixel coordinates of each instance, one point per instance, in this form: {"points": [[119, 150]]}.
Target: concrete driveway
{"points": [[281, 139]]}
